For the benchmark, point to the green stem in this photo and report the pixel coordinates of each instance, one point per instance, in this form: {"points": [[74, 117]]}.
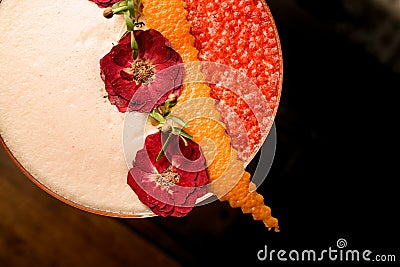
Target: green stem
{"points": [[130, 10], [128, 20], [120, 9], [157, 116], [131, 6], [134, 46], [164, 147], [139, 3]]}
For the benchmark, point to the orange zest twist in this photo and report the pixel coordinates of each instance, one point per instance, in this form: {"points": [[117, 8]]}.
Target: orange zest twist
{"points": [[228, 180]]}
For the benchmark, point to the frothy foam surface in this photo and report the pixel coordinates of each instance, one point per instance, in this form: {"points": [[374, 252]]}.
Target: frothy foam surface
{"points": [[53, 114]]}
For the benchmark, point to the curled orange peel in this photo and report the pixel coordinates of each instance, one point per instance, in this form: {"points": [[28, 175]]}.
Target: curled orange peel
{"points": [[228, 180]]}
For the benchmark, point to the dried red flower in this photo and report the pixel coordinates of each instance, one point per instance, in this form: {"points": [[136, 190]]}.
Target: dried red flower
{"points": [[171, 185], [105, 3], [144, 83]]}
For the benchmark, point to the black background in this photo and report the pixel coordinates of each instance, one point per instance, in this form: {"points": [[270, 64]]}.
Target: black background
{"points": [[335, 169]]}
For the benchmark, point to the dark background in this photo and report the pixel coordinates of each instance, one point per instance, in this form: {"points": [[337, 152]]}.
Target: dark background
{"points": [[333, 176]]}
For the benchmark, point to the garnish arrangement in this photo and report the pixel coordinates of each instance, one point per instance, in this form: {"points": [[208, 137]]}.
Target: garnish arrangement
{"points": [[144, 73], [141, 78]]}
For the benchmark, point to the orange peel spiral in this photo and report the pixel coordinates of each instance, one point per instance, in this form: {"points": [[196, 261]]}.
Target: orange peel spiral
{"points": [[228, 179]]}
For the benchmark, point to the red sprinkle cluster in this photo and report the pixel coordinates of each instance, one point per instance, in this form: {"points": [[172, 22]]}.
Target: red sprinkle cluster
{"points": [[240, 34]]}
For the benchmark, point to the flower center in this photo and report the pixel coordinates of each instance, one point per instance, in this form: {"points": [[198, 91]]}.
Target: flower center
{"points": [[167, 177], [143, 71]]}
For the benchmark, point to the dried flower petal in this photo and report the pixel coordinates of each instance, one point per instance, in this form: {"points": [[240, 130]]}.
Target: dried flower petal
{"points": [[171, 197], [164, 71], [104, 3]]}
